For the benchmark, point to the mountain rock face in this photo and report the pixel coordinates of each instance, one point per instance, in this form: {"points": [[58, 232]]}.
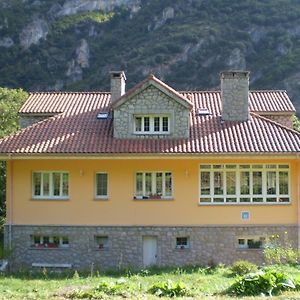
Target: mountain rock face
{"points": [[73, 44]]}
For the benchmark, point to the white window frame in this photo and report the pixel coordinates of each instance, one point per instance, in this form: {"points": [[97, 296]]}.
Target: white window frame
{"points": [[151, 125], [105, 245], [265, 168], [51, 240], [256, 238], [50, 196], [107, 187], [163, 196], [187, 246]]}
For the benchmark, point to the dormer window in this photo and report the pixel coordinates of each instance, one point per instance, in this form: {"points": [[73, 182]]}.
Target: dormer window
{"points": [[148, 124]]}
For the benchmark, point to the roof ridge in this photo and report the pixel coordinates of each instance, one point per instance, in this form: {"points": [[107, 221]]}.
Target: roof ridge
{"points": [[274, 122], [67, 92]]}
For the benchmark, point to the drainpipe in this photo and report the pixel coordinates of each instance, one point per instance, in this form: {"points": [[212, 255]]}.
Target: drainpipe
{"points": [[10, 203]]}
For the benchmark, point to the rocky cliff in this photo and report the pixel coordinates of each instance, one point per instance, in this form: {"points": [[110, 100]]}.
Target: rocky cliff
{"points": [[72, 44]]}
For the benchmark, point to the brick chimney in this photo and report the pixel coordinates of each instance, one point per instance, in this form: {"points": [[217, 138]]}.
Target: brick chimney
{"points": [[117, 84], [234, 94]]}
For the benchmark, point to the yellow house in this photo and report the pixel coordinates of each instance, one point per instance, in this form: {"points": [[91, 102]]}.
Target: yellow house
{"points": [[151, 175]]}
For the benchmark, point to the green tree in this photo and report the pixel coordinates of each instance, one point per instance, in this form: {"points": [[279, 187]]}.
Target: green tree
{"points": [[296, 123], [10, 103]]}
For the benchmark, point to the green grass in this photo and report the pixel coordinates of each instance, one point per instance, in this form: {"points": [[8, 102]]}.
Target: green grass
{"points": [[202, 283]]}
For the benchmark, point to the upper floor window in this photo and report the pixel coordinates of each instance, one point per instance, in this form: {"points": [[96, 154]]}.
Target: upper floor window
{"points": [[50, 185], [153, 185], [101, 185], [151, 124], [244, 183]]}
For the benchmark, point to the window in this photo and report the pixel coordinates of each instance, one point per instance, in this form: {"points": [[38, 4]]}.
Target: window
{"points": [[151, 124], [251, 242], [101, 242], [47, 241], [50, 185], [182, 242], [244, 184], [101, 185], [153, 185]]}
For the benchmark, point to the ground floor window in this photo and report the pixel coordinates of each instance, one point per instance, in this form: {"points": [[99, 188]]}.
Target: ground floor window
{"points": [[102, 242], [182, 242], [153, 185], [244, 183], [251, 242], [49, 241]]}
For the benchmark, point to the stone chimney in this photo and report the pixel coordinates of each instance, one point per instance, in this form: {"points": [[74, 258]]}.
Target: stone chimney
{"points": [[234, 95], [117, 84]]}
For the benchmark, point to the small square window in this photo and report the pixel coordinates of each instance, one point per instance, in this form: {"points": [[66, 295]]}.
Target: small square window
{"points": [[101, 242], [182, 242]]}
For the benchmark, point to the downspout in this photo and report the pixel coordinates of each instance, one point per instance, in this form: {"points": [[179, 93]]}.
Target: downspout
{"points": [[10, 203]]}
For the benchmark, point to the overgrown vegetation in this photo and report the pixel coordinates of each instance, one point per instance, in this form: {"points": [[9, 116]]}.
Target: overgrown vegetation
{"points": [[10, 103], [242, 267]]}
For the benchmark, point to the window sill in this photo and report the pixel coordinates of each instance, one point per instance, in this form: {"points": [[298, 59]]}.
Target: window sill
{"points": [[243, 204], [101, 199], [50, 199], [153, 199], [51, 249]]}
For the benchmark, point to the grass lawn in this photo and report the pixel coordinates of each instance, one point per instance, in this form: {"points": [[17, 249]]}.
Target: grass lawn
{"points": [[203, 283]]}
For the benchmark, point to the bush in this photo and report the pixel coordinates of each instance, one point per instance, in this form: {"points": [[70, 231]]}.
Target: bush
{"points": [[169, 289], [269, 283], [242, 267]]}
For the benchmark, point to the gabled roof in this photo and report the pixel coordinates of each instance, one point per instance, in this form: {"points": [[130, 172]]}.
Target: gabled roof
{"points": [[76, 130], [151, 80]]}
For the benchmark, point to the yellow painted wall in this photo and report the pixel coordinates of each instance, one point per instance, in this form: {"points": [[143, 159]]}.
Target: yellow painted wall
{"points": [[121, 209]]}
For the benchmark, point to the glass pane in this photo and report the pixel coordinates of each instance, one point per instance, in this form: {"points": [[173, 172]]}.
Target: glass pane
{"points": [[168, 184], [148, 184], [230, 166], [283, 183], [139, 184], [56, 184], [65, 184], [205, 183], [146, 124], [230, 183], [245, 183], [205, 166], [138, 124], [271, 199], [244, 166], [65, 240], [218, 200], [156, 124], [46, 184], [205, 200], [271, 183], [283, 166], [243, 200], [257, 183], [284, 199], [165, 124], [46, 240], [37, 184], [101, 184], [159, 184], [218, 183], [258, 200], [231, 200]]}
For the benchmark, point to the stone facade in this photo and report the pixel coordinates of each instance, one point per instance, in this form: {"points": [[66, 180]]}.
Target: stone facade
{"points": [[285, 120], [29, 120], [234, 93], [155, 102], [208, 245]]}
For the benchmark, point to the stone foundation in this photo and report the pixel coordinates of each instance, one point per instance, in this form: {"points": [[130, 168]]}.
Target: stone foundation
{"points": [[207, 245]]}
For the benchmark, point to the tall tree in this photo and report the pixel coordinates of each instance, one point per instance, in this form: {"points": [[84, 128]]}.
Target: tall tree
{"points": [[10, 103]]}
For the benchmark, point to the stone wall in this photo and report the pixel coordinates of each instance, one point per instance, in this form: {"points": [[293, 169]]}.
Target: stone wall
{"points": [[208, 244], [285, 120], [151, 101]]}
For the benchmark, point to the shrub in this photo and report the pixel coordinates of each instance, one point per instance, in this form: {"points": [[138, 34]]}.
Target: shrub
{"points": [[169, 289], [269, 282], [242, 267]]}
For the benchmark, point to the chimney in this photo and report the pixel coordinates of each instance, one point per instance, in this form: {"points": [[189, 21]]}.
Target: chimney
{"points": [[234, 95], [117, 84]]}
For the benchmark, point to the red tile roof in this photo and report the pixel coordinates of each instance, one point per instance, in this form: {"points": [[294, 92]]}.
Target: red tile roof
{"points": [[76, 130]]}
